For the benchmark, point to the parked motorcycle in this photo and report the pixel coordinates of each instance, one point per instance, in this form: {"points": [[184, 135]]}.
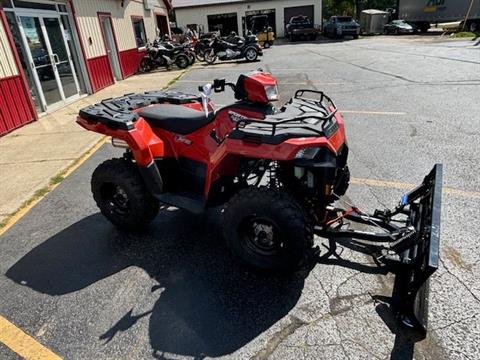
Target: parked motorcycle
{"points": [[244, 48], [162, 54], [185, 47], [200, 46]]}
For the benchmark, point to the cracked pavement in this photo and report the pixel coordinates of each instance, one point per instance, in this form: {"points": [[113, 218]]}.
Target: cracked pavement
{"points": [[86, 290]]}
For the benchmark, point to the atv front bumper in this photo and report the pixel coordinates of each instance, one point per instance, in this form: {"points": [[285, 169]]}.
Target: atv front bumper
{"points": [[408, 243]]}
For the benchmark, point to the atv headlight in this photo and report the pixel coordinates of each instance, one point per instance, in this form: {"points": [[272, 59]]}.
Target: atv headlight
{"points": [[307, 153], [272, 92]]}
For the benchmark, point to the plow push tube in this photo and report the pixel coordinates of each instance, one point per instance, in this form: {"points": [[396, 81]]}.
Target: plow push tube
{"points": [[411, 245]]}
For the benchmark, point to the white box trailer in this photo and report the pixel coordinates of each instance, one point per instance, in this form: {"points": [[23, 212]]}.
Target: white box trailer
{"points": [[372, 21], [422, 13]]}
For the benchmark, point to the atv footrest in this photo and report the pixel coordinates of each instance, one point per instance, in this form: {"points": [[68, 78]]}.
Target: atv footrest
{"points": [[190, 201]]}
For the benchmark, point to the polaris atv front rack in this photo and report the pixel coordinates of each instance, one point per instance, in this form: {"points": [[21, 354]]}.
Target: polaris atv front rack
{"points": [[299, 94], [312, 115], [408, 237]]}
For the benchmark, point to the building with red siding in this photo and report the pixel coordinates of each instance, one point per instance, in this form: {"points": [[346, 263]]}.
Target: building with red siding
{"points": [[53, 52]]}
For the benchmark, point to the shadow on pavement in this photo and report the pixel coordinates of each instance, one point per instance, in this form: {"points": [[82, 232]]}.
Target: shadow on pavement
{"points": [[209, 306], [403, 348]]}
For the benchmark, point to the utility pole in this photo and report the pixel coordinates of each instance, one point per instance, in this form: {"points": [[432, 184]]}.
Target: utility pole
{"points": [[467, 15]]}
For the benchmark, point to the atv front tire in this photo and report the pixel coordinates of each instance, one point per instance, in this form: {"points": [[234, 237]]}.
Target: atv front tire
{"points": [[121, 195], [267, 229]]}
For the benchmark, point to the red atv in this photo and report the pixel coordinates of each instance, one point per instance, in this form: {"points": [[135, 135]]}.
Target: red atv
{"points": [[275, 172]]}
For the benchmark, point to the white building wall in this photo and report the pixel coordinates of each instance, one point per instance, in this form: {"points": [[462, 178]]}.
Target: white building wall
{"points": [[198, 14], [8, 66], [87, 17]]}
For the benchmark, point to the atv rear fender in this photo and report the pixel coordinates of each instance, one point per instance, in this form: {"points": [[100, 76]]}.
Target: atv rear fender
{"points": [[141, 139]]}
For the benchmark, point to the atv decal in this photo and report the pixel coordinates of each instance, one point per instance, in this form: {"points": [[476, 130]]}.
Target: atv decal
{"points": [[183, 139], [236, 117]]}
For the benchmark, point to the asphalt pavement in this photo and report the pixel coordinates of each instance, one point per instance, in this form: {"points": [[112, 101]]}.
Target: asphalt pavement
{"points": [[86, 290]]}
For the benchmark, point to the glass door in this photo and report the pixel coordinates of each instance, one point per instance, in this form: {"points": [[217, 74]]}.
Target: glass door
{"points": [[49, 57], [41, 60], [61, 56]]}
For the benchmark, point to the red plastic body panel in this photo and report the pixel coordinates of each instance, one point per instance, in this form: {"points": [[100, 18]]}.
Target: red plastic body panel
{"points": [[222, 159], [254, 86], [144, 143]]}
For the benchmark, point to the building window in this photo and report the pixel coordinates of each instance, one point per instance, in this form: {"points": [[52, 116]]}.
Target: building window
{"points": [[139, 31], [225, 23]]}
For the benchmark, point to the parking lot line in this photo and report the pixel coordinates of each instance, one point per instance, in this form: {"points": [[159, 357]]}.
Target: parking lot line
{"points": [[366, 112], [23, 344], [407, 186]]}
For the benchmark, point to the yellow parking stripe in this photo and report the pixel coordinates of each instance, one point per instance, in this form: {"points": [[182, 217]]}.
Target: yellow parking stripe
{"points": [[407, 186], [22, 343]]}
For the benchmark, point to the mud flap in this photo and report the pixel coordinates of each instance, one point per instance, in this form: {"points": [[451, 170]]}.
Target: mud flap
{"points": [[410, 295]]}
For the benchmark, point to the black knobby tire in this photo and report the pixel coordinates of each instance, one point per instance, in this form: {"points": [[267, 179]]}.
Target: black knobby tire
{"points": [[121, 195], [287, 237]]}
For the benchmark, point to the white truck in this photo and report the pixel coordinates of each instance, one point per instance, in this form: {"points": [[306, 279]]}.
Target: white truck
{"points": [[422, 13]]}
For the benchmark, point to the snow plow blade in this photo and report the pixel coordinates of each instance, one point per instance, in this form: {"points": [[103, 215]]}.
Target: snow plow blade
{"points": [[410, 295], [407, 240]]}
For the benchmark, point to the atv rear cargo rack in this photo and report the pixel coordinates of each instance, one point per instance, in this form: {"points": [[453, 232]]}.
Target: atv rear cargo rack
{"points": [[410, 244], [119, 112]]}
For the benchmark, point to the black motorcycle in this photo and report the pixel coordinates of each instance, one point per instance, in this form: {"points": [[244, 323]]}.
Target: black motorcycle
{"points": [[243, 48], [186, 47], [160, 54], [201, 45]]}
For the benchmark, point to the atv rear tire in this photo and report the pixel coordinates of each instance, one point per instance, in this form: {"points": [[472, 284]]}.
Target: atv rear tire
{"points": [[121, 195], [268, 230]]}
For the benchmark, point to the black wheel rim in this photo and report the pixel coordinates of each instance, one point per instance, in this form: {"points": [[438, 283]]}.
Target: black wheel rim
{"points": [[183, 62], [261, 236], [115, 199]]}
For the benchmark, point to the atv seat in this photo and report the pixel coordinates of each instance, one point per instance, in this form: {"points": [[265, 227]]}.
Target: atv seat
{"points": [[176, 118]]}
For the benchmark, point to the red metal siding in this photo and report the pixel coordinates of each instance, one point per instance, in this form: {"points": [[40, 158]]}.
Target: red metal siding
{"points": [[15, 108], [130, 61], [100, 72]]}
